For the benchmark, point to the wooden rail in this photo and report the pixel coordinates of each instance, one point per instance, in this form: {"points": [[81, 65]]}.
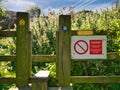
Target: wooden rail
{"points": [[8, 58], [95, 79], [7, 80], [44, 58], [35, 58], [112, 56], [74, 79], [13, 33], [8, 34]]}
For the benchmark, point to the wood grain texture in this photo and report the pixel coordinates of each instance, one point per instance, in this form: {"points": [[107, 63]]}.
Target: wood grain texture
{"points": [[7, 80], [7, 33], [30, 53], [111, 56], [22, 51], [39, 81], [63, 62], [43, 58], [7, 58], [95, 79]]}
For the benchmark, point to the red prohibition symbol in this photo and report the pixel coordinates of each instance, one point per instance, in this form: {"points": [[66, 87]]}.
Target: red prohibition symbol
{"points": [[80, 44]]}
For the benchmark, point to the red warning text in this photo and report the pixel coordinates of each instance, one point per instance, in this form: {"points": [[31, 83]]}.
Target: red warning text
{"points": [[96, 47]]}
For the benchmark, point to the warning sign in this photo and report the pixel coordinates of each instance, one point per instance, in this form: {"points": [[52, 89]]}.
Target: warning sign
{"points": [[95, 46], [88, 47]]}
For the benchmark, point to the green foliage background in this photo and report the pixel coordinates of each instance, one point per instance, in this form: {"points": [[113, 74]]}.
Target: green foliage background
{"points": [[44, 42]]}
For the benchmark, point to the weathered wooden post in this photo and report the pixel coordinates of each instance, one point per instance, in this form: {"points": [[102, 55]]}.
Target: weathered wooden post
{"points": [[22, 49], [63, 50]]}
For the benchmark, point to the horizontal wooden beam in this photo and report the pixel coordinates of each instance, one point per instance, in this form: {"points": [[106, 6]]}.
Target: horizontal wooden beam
{"points": [[7, 80], [74, 79], [7, 58], [43, 58], [35, 58], [113, 56], [95, 79], [4, 80], [7, 33]]}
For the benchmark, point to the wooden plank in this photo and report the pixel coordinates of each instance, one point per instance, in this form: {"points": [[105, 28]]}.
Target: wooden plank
{"points": [[111, 56], [8, 58], [60, 88], [63, 62], [41, 85], [22, 50], [40, 79], [43, 58], [7, 33], [7, 80], [95, 79], [35, 58]]}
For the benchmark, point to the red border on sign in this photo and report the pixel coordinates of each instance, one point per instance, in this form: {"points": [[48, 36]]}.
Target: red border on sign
{"points": [[84, 49]]}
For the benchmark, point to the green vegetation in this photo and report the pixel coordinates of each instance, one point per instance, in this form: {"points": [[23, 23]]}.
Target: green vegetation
{"points": [[44, 31], [44, 42]]}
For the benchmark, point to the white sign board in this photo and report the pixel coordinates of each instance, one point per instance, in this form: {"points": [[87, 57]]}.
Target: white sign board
{"points": [[88, 47]]}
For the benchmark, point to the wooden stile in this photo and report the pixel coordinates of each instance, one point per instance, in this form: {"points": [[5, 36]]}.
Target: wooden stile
{"points": [[63, 60]]}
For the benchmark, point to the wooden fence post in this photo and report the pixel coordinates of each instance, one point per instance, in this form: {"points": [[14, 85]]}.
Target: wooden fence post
{"points": [[63, 54], [22, 49]]}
